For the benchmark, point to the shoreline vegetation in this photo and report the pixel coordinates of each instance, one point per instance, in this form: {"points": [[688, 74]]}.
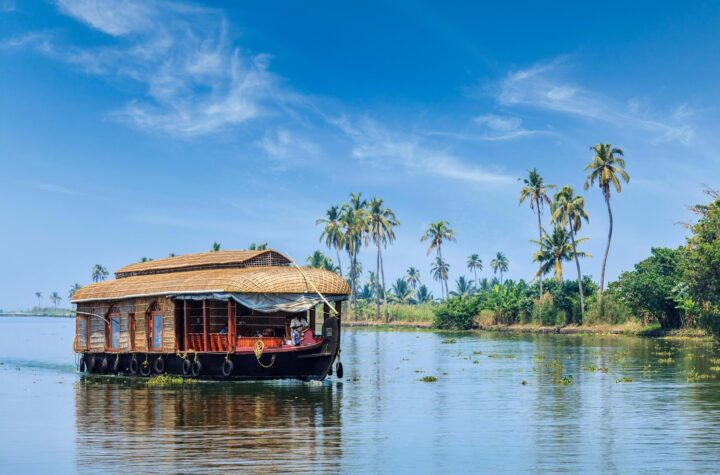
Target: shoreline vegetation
{"points": [[40, 312]]}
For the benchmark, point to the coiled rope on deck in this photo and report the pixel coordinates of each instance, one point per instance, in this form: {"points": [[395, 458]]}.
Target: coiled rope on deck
{"points": [[258, 350]]}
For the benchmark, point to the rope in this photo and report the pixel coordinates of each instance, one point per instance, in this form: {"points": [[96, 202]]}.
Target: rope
{"points": [[258, 350], [313, 285]]}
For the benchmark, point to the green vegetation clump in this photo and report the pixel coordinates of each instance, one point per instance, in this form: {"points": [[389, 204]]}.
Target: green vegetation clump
{"points": [[456, 313], [428, 379], [624, 379], [668, 360], [595, 368], [693, 376], [164, 380], [448, 341], [501, 356], [565, 380]]}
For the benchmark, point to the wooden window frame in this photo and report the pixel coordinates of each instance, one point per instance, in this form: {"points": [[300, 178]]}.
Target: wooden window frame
{"points": [[132, 330], [154, 311], [112, 313]]}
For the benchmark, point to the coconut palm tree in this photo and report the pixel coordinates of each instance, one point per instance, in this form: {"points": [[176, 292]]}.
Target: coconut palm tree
{"points": [[413, 277], [402, 291], [463, 286], [535, 191], [215, 247], [332, 234], [257, 247], [555, 249], [474, 264], [319, 260], [55, 298], [99, 273], [72, 290], [145, 259], [569, 210], [38, 295], [500, 264], [382, 220], [355, 224], [423, 295], [607, 168], [439, 271], [437, 233]]}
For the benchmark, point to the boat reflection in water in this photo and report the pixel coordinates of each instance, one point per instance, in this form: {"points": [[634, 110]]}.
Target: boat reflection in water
{"points": [[207, 427]]}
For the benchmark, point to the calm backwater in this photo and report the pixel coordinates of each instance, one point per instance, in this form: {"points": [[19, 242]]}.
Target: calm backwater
{"points": [[478, 416]]}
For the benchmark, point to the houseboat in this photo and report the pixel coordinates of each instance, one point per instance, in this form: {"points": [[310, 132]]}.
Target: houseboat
{"points": [[215, 315]]}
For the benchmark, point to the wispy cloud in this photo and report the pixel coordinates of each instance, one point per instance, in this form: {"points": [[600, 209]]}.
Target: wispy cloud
{"points": [[376, 143], [542, 86], [282, 145], [52, 188], [196, 80]]}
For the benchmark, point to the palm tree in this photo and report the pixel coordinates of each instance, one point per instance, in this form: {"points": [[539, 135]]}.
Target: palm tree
{"points": [[382, 220], [440, 271], [319, 260], [55, 297], [372, 282], [145, 259], [258, 247], [436, 233], [413, 277], [554, 249], [38, 295], [354, 222], [332, 233], [463, 286], [569, 210], [402, 291], [607, 168], [99, 273], [172, 254], [423, 295], [215, 247], [72, 290], [474, 264], [500, 264], [535, 190]]}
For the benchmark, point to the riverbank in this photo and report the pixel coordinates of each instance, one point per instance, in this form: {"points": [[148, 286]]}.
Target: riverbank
{"points": [[628, 329], [33, 314]]}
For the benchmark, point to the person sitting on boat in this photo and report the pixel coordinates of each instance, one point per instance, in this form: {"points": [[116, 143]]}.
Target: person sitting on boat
{"points": [[297, 326]]}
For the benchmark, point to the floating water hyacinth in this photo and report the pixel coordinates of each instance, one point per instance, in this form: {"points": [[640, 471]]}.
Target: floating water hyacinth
{"points": [[428, 379], [624, 379]]}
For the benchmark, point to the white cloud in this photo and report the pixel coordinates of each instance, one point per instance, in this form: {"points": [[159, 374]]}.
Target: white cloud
{"points": [[541, 87], [52, 188], [196, 80], [384, 148], [283, 144]]}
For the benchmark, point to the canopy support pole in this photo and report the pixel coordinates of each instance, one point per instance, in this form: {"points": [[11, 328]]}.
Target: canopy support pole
{"points": [[205, 326], [186, 319]]}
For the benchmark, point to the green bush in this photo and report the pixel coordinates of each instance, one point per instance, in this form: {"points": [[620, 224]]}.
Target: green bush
{"points": [[544, 311], [609, 310], [456, 313]]}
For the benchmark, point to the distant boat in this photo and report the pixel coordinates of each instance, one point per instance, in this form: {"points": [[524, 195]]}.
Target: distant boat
{"points": [[213, 315]]}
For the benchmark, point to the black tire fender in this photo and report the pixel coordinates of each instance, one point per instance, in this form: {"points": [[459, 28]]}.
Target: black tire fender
{"points": [[339, 369], [227, 368], [145, 368], [196, 368], [134, 366], [92, 364], [104, 365], [81, 365], [186, 367], [159, 365]]}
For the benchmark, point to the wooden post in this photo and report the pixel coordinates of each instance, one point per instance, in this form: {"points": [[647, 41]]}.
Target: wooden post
{"points": [[231, 325], [186, 325], [338, 308], [205, 326], [312, 320]]}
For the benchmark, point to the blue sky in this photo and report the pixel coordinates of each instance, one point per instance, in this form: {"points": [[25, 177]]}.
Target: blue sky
{"points": [[132, 129]]}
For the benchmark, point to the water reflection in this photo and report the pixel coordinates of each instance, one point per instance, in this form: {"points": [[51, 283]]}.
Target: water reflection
{"points": [[207, 428]]}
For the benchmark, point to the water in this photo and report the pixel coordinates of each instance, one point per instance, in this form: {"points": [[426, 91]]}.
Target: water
{"points": [[477, 417]]}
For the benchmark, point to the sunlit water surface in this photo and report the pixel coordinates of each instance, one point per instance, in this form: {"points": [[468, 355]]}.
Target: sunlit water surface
{"points": [[478, 416]]}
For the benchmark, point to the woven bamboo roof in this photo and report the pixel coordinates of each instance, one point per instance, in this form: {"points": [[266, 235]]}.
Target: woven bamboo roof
{"points": [[267, 280], [205, 260]]}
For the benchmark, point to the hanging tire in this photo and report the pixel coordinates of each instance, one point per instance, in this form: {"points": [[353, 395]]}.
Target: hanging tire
{"points": [[116, 365], [92, 364], [227, 368], [134, 366], [186, 367], [339, 369], [330, 370], [81, 365], [159, 365], [145, 368], [196, 368], [104, 365]]}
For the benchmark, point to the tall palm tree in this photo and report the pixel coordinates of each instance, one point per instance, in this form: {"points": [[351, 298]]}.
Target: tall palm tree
{"points": [[257, 247], [332, 234], [500, 264], [535, 191], [413, 277], [436, 233], [99, 273], [72, 290], [569, 210], [439, 271], [382, 220], [354, 222], [474, 264], [463, 286], [38, 295], [55, 297], [423, 295], [607, 168], [554, 249], [402, 291], [215, 247]]}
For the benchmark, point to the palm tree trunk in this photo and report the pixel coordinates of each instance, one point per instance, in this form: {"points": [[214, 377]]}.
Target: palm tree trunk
{"points": [[337, 252], [577, 264], [443, 286], [607, 246], [382, 271], [377, 277], [476, 281], [541, 277]]}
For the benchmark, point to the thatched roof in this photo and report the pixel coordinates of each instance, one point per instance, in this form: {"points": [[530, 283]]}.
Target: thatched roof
{"points": [[267, 280], [205, 260]]}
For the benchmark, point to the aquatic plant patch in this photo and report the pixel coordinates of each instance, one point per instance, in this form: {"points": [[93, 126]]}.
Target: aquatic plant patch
{"points": [[428, 379], [624, 379]]}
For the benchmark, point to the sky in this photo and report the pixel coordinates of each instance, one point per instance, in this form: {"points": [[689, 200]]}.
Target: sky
{"points": [[134, 129]]}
